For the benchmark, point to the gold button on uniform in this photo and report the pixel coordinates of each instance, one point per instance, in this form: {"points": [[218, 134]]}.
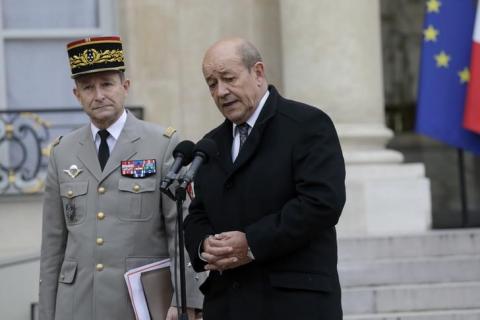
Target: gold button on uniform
{"points": [[136, 188], [101, 190], [100, 215], [70, 193], [62, 276], [99, 241], [99, 267]]}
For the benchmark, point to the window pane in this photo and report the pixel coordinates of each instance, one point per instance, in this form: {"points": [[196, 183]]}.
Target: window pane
{"points": [[35, 14], [38, 74]]}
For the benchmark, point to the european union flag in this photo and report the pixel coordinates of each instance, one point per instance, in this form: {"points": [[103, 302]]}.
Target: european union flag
{"points": [[444, 72]]}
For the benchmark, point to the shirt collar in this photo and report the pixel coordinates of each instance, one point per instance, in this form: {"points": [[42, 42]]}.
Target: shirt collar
{"points": [[253, 118], [115, 129]]}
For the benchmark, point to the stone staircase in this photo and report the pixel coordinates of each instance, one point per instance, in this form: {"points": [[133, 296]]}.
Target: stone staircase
{"points": [[435, 275]]}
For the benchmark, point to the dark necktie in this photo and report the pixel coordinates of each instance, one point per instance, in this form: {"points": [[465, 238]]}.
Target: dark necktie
{"points": [[103, 151], [243, 132]]}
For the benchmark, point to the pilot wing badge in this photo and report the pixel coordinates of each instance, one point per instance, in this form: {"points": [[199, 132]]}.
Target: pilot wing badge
{"points": [[73, 171]]}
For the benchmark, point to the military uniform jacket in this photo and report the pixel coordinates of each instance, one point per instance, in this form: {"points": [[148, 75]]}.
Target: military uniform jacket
{"points": [[98, 225], [286, 191]]}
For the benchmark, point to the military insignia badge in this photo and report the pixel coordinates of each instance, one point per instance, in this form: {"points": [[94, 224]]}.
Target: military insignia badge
{"points": [[139, 168], [73, 171], [169, 132], [70, 211]]}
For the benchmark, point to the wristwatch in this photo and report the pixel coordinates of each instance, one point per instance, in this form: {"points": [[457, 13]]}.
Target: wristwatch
{"points": [[250, 254]]}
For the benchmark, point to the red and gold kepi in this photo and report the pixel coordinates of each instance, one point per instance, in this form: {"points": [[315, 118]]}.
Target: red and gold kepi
{"points": [[97, 54]]}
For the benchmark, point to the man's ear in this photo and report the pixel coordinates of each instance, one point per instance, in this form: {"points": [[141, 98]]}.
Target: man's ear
{"points": [[126, 85], [259, 70]]}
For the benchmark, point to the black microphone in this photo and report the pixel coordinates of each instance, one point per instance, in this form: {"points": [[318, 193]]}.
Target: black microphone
{"points": [[204, 150], [183, 154]]}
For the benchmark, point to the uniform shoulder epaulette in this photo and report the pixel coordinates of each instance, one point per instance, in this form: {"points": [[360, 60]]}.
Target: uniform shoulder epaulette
{"points": [[57, 141], [169, 132]]}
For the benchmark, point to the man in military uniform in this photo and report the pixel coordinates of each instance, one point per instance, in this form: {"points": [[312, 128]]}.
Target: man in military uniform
{"points": [[103, 213]]}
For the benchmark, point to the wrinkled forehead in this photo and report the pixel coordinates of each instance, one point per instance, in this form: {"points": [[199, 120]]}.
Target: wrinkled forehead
{"points": [[224, 53], [217, 66]]}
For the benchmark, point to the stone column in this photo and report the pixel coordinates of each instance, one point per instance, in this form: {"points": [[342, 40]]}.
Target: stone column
{"points": [[165, 42], [332, 59]]}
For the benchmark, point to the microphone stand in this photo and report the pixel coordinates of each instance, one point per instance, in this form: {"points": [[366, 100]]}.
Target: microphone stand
{"points": [[205, 147], [180, 196]]}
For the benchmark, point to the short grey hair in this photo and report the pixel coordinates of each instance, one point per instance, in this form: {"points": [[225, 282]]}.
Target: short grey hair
{"points": [[249, 54]]}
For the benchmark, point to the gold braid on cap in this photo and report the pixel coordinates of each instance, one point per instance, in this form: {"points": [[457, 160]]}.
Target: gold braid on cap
{"points": [[93, 56]]}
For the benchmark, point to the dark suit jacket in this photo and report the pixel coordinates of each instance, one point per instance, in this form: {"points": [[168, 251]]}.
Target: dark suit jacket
{"points": [[286, 191]]}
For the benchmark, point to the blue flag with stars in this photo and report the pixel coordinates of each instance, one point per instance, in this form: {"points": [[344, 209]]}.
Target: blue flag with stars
{"points": [[444, 72]]}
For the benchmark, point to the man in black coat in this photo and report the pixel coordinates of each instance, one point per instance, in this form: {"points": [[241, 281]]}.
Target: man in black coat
{"points": [[265, 208]]}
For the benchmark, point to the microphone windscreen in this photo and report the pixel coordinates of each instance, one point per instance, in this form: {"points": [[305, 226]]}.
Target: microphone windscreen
{"points": [[184, 148], [207, 147]]}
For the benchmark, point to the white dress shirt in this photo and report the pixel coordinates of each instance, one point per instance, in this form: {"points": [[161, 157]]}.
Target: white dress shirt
{"points": [[251, 122], [115, 129]]}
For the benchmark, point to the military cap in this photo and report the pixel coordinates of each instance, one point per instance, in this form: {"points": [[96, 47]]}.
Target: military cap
{"points": [[96, 54]]}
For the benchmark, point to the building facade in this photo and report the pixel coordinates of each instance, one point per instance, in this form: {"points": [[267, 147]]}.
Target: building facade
{"points": [[322, 52]]}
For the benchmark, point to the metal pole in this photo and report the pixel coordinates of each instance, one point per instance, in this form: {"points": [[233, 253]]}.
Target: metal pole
{"points": [[180, 196], [463, 187]]}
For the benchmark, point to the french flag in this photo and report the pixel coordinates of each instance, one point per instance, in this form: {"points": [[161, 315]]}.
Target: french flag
{"points": [[471, 118]]}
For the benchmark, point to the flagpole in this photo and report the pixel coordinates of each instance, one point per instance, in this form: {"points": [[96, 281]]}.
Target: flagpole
{"points": [[463, 188]]}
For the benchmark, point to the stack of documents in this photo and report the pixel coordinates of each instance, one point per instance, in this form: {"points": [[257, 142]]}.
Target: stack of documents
{"points": [[150, 290]]}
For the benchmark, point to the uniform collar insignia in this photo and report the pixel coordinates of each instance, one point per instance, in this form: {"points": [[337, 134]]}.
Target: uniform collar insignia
{"points": [[73, 171]]}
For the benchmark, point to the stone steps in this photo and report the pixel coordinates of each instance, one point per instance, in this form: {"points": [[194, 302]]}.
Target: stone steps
{"points": [[470, 314], [435, 243], [435, 275], [412, 297], [410, 271]]}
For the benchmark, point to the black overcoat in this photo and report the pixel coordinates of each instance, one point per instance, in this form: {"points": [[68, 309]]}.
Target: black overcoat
{"points": [[285, 190]]}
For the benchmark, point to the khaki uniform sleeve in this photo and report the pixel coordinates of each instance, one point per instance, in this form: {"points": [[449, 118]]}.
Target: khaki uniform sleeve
{"points": [[54, 236]]}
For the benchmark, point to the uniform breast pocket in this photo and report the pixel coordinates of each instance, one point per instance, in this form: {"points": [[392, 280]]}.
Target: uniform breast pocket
{"points": [[139, 199], [74, 198]]}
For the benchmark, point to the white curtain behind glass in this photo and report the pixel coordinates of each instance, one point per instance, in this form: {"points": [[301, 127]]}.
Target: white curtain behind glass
{"points": [[37, 70], [38, 74], [40, 14]]}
